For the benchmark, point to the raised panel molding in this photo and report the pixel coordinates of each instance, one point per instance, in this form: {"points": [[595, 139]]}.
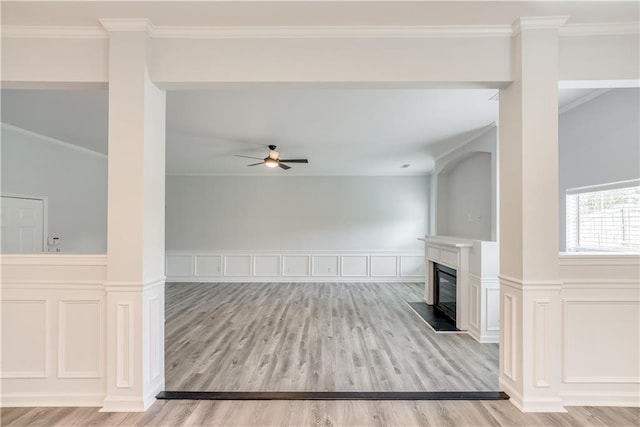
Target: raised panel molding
{"points": [[156, 338], [237, 265], [124, 345], [324, 265], [267, 265], [298, 266], [508, 345], [383, 266], [474, 303], [80, 335], [25, 339], [354, 266], [493, 309], [541, 325], [179, 265], [208, 265], [592, 346]]}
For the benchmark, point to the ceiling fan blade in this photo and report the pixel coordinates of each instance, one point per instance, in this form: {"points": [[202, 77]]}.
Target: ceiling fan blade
{"points": [[255, 164], [285, 167], [295, 160], [247, 157]]}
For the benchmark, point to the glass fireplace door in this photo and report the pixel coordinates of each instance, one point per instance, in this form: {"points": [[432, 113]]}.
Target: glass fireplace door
{"points": [[445, 290]]}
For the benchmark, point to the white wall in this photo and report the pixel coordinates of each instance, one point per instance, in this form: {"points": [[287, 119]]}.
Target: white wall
{"points": [[296, 214], [73, 179], [598, 144]]}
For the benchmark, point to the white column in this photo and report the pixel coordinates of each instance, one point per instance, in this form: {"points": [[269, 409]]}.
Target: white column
{"points": [[135, 268], [530, 351]]}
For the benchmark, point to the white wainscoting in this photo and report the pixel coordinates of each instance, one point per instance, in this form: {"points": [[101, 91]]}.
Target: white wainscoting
{"points": [[299, 266], [53, 330], [600, 329], [484, 309]]}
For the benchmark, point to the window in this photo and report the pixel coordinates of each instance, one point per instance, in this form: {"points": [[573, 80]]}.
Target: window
{"points": [[604, 218]]}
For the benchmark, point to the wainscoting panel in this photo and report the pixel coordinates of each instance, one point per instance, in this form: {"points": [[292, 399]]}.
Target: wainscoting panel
{"points": [[80, 338], [324, 265], [267, 265], [25, 338], [412, 266], [206, 265], [354, 266], [179, 265], [383, 266], [606, 323], [237, 265], [53, 330], [298, 266]]}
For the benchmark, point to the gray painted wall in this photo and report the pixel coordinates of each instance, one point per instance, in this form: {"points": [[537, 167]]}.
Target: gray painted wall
{"points": [[468, 202], [599, 143], [74, 180], [301, 213]]}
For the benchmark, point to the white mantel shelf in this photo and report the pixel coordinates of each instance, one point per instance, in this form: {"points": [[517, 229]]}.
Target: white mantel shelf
{"points": [[455, 242]]}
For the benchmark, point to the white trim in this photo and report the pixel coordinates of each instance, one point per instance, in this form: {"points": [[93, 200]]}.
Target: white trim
{"points": [[269, 175], [583, 259], [583, 99], [601, 398], [297, 32], [57, 259], [51, 139], [22, 400], [127, 25], [529, 285], [538, 23], [600, 29], [604, 187], [62, 320]]}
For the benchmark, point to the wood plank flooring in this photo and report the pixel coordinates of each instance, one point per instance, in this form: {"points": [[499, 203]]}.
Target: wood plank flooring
{"points": [[177, 413], [314, 337]]}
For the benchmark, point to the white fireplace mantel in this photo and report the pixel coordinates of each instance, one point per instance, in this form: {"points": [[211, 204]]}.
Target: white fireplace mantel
{"points": [[477, 295]]}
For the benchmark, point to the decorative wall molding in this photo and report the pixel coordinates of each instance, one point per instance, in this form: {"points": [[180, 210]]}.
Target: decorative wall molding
{"points": [[81, 347], [509, 336], [529, 285], [541, 345], [296, 266], [315, 32], [571, 329], [124, 344], [22, 339], [56, 259], [598, 259]]}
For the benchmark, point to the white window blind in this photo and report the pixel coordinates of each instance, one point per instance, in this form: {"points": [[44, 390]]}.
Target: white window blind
{"points": [[604, 218]]}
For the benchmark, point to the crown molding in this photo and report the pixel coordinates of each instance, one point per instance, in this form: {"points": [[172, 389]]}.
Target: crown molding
{"points": [[127, 24], [300, 32], [333, 32], [607, 29], [477, 134], [538, 23], [583, 99], [53, 32]]}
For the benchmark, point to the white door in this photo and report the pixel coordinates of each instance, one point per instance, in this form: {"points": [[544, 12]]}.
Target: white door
{"points": [[22, 225]]}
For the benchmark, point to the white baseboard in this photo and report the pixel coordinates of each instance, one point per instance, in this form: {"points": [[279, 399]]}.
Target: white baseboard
{"points": [[624, 399], [123, 404], [208, 279], [532, 404], [15, 400]]}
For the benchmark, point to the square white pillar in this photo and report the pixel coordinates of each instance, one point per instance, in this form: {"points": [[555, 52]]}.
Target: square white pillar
{"points": [[530, 352], [135, 252]]}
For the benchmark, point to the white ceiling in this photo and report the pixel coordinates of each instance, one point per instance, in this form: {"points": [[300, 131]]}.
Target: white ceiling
{"points": [[340, 131]]}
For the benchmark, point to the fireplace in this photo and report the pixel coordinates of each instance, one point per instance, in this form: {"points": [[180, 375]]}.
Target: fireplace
{"points": [[444, 290]]}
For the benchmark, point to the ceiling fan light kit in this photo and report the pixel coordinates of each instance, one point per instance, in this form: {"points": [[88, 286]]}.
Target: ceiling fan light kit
{"points": [[273, 160]]}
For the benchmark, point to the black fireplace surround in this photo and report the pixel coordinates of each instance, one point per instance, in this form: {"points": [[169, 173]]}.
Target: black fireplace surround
{"points": [[444, 290]]}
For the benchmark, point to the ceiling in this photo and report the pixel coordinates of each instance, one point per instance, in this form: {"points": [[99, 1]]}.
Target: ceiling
{"points": [[340, 131]]}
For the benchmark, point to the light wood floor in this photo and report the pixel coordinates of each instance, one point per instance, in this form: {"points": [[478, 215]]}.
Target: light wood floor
{"points": [[314, 337], [176, 413]]}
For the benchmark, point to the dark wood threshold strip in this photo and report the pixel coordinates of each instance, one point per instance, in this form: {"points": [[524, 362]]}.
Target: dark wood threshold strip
{"points": [[333, 395]]}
